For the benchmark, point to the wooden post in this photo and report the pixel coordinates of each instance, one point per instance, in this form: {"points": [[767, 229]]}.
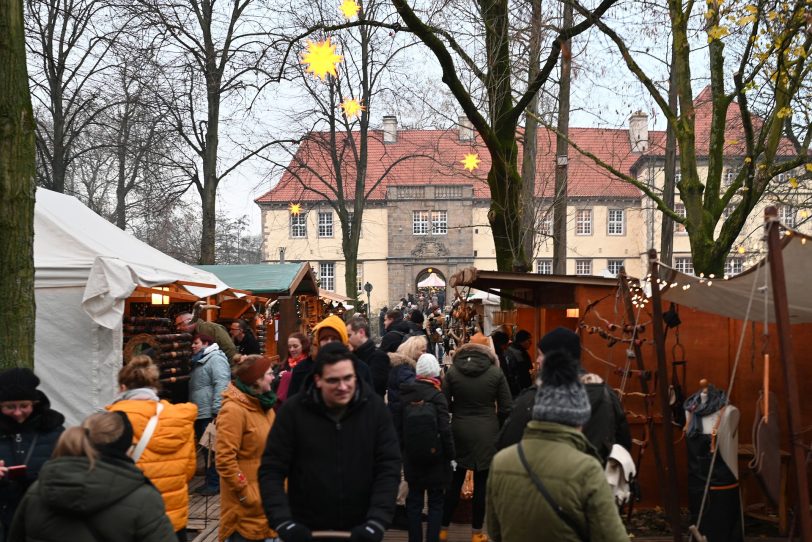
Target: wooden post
{"points": [[638, 356], [779, 286], [671, 501]]}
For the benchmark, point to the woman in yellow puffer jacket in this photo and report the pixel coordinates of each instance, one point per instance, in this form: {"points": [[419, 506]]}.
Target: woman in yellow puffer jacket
{"points": [[169, 460]]}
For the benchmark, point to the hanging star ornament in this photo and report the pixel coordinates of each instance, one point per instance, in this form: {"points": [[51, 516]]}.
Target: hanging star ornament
{"points": [[295, 209], [321, 58], [349, 8], [352, 108], [471, 161]]}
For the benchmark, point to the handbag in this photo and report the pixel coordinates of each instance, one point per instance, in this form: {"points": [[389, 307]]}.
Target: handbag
{"points": [[147, 435], [209, 436], [560, 512]]}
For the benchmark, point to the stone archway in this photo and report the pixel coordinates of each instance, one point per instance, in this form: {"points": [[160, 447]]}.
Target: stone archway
{"points": [[432, 294]]}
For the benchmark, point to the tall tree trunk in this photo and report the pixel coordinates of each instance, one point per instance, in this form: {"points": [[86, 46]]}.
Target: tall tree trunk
{"points": [[562, 152], [17, 171], [667, 234], [210, 180], [506, 188], [530, 149]]}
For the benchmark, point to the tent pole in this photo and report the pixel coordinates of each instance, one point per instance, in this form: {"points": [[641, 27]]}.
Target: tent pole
{"points": [[779, 287], [644, 375], [671, 502]]}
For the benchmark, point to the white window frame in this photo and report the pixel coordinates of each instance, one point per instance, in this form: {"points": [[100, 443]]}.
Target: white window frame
{"points": [[439, 222], [583, 267], [544, 266], [734, 265], [583, 222], [420, 223], [325, 224], [684, 264], [787, 215], [327, 276], [546, 227], [618, 263], [679, 209], [359, 277], [298, 226], [619, 227]]}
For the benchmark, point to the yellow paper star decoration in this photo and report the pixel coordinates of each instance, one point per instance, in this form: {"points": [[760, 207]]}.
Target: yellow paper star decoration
{"points": [[352, 108], [740, 250], [471, 161], [349, 8], [295, 209], [321, 58]]}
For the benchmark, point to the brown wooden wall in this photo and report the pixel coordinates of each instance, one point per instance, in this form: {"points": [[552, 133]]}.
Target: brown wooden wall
{"points": [[710, 343]]}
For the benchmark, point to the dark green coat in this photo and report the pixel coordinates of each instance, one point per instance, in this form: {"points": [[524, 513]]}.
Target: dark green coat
{"points": [[113, 501], [568, 467], [479, 400]]}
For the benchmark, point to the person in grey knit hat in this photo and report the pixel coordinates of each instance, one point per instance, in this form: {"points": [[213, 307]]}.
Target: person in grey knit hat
{"points": [[561, 398], [553, 462]]}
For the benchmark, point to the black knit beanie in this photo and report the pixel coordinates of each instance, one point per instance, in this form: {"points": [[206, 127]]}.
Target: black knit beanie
{"points": [[561, 338], [18, 384]]}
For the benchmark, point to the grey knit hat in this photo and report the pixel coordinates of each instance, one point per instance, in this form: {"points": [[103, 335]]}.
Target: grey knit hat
{"points": [[561, 398]]}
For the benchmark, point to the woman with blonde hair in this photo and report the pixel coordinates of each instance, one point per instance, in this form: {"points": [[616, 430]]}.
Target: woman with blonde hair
{"points": [[242, 428], [167, 455], [91, 490]]}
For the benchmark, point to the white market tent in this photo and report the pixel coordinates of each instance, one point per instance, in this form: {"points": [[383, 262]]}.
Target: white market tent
{"points": [[432, 281], [85, 269]]}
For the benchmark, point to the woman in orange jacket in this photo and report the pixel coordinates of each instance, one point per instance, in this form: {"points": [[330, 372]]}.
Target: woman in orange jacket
{"points": [[243, 425], [169, 459]]}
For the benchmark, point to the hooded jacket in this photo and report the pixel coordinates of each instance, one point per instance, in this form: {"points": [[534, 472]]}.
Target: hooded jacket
{"points": [[31, 443], [395, 334], [339, 473], [566, 463], [210, 376], [220, 336], [169, 460], [242, 429], [479, 400], [437, 474], [332, 322], [378, 363], [402, 372], [112, 501]]}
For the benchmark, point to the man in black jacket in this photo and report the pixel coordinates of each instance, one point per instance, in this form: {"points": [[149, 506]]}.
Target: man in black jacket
{"points": [[243, 338], [606, 426], [336, 446], [365, 350]]}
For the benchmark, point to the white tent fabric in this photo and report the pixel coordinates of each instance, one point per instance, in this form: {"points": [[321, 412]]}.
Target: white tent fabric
{"points": [[85, 269], [432, 281], [730, 297]]}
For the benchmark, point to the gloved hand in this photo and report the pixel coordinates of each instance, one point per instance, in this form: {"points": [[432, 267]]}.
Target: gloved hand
{"points": [[290, 531], [453, 465], [371, 531]]}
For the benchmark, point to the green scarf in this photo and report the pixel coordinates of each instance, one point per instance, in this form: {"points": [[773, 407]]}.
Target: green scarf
{"points": [[266, 400]]}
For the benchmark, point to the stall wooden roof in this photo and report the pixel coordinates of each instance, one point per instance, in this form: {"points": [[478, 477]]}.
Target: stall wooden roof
{"points": [[528, 288], [270, 279]]}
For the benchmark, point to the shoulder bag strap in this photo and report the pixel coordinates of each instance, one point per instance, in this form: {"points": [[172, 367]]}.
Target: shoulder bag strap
{"points": [[546, 494], [148, 431]]}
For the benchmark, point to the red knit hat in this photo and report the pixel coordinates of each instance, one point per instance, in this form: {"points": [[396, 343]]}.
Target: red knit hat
{"points": [[252, 368]]}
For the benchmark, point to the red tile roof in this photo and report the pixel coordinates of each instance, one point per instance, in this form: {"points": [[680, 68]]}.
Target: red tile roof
{"points": [[434, 157]]}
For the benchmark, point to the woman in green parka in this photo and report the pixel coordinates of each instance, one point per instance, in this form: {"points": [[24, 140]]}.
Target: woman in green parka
{"points": [[479, 401], [91, 490]]}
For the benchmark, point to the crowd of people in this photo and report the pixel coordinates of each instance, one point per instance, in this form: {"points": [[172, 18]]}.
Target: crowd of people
{"points": [[334, 437]]}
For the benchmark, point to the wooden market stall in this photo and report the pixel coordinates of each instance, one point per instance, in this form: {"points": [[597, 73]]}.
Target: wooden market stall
{"points": [[622, 351], [292, 298]]}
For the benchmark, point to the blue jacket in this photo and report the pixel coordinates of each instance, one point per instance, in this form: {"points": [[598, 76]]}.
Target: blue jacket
{"points": [[30, 443], [211, 374]]}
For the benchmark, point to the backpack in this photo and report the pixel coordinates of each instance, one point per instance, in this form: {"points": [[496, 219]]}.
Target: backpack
{"points": [[421, 439]]}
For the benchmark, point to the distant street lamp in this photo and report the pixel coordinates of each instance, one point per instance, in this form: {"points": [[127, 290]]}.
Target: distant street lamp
{"points": [[368, 290]]}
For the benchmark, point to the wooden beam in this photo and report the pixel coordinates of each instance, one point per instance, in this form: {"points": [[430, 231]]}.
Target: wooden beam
{"points": [[779, 286], [196, 284], [172, 294]]}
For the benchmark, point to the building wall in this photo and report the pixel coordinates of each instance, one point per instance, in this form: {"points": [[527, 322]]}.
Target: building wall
{"points": [[749, 247]]}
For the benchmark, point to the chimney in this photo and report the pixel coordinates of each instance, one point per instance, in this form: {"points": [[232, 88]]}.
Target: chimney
{"points": [[638, 131], [281, 254], [390, 129], [466, 129]]}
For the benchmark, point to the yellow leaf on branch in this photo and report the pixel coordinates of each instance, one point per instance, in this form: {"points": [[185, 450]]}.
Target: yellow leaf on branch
{"points": [[784, 112], [717, 32], [746, 20]]}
